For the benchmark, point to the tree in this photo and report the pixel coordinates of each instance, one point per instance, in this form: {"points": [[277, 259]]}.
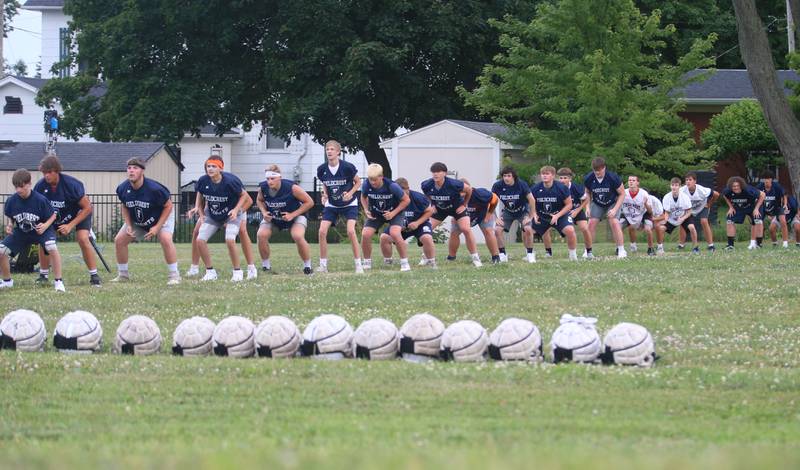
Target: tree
{"points": [[354, 71], [742, 129], [20, 68], [9, 10], [585, 78], [757, 55]]}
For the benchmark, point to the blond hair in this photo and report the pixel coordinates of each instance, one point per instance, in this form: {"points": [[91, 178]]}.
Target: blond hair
{"points": [[335, 143], [402, 182], [374, 170], [274, 168]]}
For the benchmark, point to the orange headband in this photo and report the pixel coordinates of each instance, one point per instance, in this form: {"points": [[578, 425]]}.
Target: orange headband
{"points": [[216, 161]]}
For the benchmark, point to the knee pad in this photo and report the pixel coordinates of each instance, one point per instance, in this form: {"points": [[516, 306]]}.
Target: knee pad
{"points": [[4, 250], [50, 246]]}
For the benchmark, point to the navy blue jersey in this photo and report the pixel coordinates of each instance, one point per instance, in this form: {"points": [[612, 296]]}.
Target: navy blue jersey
{"points": [[63, 198], [514, 197], [604, 193], [773, 199], [338, 183], [382, 199], [29, 212], [282, 201], [220, 197], [745, 200], [576, 192], [791, 203], [550, 200], [478, 205], [448, 197], [145, 204], [416, 207]]}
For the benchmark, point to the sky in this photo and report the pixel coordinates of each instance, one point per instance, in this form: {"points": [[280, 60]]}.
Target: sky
{"points": [[26, 42]]}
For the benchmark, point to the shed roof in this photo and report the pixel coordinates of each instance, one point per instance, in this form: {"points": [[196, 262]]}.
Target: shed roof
{"points": [[81, 156]]}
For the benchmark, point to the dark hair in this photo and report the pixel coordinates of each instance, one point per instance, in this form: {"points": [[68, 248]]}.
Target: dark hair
{"points": [[736, 179], [509, 170], [402, 182], [598, 163], [20, 178], [136, 162], [634, 176], [438, 166], [675, 180], [767, 174], [691, 175], [565, 172], [50, 163]]}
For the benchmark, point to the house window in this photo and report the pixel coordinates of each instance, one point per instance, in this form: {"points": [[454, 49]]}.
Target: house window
{"points": [[273, 142], [13, 105], [216, 150], [63, 50]]}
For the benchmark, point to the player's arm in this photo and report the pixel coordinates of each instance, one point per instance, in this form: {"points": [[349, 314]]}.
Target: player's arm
{"points": [[531, 208], [712, 199], [426, 214], [404, 202], [126, 217], [198, 206], [40, 228], [356, 185], [85, 209], [166, 212], [306, 203], [564, 210], [534, 214], [262, 206], [365, 205], [244, 201], [466, 193], [620, 199], [757, 208], [581, 207], [731, 209]]}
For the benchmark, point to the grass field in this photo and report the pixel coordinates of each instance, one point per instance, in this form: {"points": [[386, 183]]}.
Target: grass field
{"points": [[725, 394]]}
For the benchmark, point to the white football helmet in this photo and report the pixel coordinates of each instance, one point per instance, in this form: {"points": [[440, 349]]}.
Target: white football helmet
{"points": [[420, 338], [376, 339], [22, 330], [464, 341], [629, 344], [137, 335], [277, 337], [78, 331], [575, 340], [328, 336], [233, 337], [193, 337], [515, 339]]}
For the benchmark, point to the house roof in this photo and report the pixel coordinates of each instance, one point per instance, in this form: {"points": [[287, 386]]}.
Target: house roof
{"points": [[211, 130], [80, 156], [726, 86], [488, 128], [43, 4], [34, 82]]}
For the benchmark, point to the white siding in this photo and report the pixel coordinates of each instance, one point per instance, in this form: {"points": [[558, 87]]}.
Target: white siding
{"points": [[52, 22], [25, 127], [195, 151]]}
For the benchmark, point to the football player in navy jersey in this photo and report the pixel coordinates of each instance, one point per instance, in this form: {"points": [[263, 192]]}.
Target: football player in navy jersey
{"points": [[32, 218], [743, 201], [552, 208], [340, 185], [74, 212], [384, 203], [450, 197], [606, 193], [515, 195], [417, 224], [580, 201], [221, 199], [793, 219], [775, 206], [146, 209], [244, 237], [481, 208], [283, 204]]}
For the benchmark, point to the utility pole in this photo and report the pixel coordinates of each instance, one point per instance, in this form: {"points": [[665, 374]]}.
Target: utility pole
{"points": [[2, 33], [789, 25]]}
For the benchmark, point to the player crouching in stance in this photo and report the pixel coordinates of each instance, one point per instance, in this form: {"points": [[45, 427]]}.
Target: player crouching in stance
{"points": [[578, 212], [383, 201], [32, 218], [775, 206], [480, 207], [636, 213], [792, 218], [678, 208], [417, 224], [282, 204], [221, 198], [606, 191], [517, 201], [340, 183], [658, 218], [73, 212], [147, 211], [743, 201], [551, 209], [702, 198], [449, 197]]}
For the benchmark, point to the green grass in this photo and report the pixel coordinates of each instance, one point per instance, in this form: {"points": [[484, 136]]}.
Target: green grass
{"points": [[725, 393]]}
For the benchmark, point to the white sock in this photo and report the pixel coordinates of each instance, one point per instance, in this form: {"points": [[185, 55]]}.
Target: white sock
{"points": [[306, 263], [323, 262], [621, 247], [752, 243], [265, 263], [572, 254], [660, 246], [173, 268], [366, 262], [785, 244], [44, 272], [194, 267], [403, 260], [358, 262], [475, 256], [387, 260], [251, 267], [122, 267], [92, 272]]}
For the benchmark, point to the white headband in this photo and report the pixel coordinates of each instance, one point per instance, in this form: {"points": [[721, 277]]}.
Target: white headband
{"points": [[272, 174]]}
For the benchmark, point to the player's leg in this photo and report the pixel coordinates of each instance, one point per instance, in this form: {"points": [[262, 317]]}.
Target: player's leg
{"points": [[396, 232], [262, 238], [454, 241], [121, 242], [428, 249], [784, 230], [324, 226], [681, 237], [44, 266], [491, 242], [648, 231], [756, 232], [773, 230], [231, 232], [247, 249], [170, 253], [548, 244], [366, 244], [48, 240], [298, 232], [692, 227], [499, 236], [730, 230], [469, 238], [661, 234], [572, 241], [194, 267], [386, 247], [5, 265], [207, 230], [351, 234], [616, 232], [83, 237], [796, 227]]}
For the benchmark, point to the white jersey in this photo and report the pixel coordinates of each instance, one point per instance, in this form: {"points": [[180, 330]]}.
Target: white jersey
{"points": [[698, 199], [655, 206], [633, 207], [676, 208]]}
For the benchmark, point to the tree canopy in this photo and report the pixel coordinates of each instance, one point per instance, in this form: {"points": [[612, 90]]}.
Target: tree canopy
{"points": [[586, 78], [354, 70]]}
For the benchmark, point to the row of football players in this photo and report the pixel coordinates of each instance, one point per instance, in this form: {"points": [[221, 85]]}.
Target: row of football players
{"points": [[58, 204], [421, 338]]}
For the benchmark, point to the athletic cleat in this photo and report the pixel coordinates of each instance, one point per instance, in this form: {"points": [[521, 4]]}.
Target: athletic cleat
{"points": [[252, 273], [6, 284], [122, 278], [477, 262], [238, 275], [193, 271], [424, 261], [695, 251], [174, 279], [405, 267], [651, 251], [711, 248], [307, 271], [503, 258], [388, 261], [634, 248], [359, 269], [59, 286], [680, 247], [729, 248], [622, 254], [547, 254], [210, 276], [322, 269], [42, 279], [495, 260], [752, 247], [451, 258], [530, 257], [94, 280], [660, 250], [266, 269]]}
